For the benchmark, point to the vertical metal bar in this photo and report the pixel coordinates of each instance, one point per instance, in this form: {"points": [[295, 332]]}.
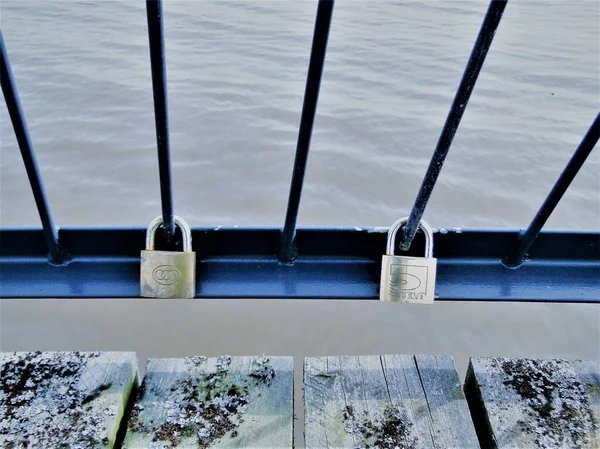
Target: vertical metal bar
{"points": [[15, 110], [526, 239], [156, 39], [309, 108], [465, 88]]}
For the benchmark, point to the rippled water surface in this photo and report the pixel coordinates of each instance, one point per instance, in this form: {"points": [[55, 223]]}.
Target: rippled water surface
{"points": [[236, 74]]}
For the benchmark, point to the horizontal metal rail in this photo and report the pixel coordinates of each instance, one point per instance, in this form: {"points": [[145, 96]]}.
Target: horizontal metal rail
{"points": [[158, 65], [459, 105], [287, 251], [336, 263], [15, 110]]}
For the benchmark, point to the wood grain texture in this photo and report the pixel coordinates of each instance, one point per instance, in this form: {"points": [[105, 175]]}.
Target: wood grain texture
{"points": [[534, 403], [64, 399], [239, 402], [387, 401]]}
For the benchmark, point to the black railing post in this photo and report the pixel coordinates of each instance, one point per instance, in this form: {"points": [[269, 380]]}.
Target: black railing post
{"points": [[156, 39], [287, 251], [15, 110], [465, 88], [517, 254]]}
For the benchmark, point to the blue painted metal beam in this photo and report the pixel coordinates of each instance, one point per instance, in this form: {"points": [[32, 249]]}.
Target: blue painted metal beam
{"points": [[333, 264]]}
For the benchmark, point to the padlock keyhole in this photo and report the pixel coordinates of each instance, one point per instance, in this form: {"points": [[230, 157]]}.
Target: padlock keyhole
{"points": [[161, 243]]}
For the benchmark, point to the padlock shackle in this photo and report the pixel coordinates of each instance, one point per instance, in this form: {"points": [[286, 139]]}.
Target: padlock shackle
{"points": [[186, 233], [391, 241]]}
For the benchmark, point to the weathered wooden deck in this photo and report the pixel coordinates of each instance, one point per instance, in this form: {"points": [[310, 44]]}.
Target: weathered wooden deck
{"points": [[95, 400], [528, 403], [217, 402], [64, 399], [385, 401]]}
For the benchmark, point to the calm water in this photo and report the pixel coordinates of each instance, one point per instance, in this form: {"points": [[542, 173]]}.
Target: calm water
{"points": [[236, 74]]}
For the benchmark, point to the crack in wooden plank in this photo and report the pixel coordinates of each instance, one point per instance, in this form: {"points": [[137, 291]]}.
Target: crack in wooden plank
{"points": [[387, 387], [433, 436]]}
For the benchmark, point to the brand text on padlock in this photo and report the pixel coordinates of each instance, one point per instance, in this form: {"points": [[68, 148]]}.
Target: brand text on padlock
{"points": [[409, 281]]}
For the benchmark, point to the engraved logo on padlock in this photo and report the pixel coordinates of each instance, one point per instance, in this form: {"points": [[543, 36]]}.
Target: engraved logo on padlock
{"points": [[404, 278], [168, 274]]}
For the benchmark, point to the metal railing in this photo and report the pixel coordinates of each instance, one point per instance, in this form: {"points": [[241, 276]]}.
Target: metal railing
{"points": [[459, 105], [516, 246], [13, 104], [161, 111], [287, 251], [526, 239]]}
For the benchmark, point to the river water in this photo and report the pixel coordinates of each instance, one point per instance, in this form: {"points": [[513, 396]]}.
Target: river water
{"points": [[236, 74]]}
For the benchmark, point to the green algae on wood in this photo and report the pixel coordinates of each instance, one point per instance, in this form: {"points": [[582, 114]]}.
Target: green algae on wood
{"points": [[385, 402], [535, 403], [224, 402], [64, 399]]}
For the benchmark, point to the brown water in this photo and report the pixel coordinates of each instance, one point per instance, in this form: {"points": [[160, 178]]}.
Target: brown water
{"points": [[236, 78], [161, 328], [236, 74]]}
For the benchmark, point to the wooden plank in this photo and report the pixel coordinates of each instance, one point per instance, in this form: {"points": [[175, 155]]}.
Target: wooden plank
{"points": [[534, 403], [452, 424], [241, 402], [387, 401], [64, 399]]}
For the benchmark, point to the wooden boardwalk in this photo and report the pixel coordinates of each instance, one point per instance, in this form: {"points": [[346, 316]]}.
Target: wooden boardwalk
{"points": [[85, 400]]}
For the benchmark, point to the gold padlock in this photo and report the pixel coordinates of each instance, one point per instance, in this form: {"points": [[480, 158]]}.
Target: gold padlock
{"points": [[404, 278], [168, 274]]}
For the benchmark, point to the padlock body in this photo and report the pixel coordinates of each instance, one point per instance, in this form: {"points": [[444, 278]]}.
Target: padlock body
{"points": [[168, 274], [408, 279]]}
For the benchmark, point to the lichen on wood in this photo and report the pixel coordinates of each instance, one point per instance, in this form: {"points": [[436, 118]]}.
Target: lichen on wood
{"points": [[194, 402], [390, 430], [557, 402], [56, 400], [395, 401]]}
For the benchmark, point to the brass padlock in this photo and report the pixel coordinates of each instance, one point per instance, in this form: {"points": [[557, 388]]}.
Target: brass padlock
{"points": [[168, 274], [404, 278]]}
